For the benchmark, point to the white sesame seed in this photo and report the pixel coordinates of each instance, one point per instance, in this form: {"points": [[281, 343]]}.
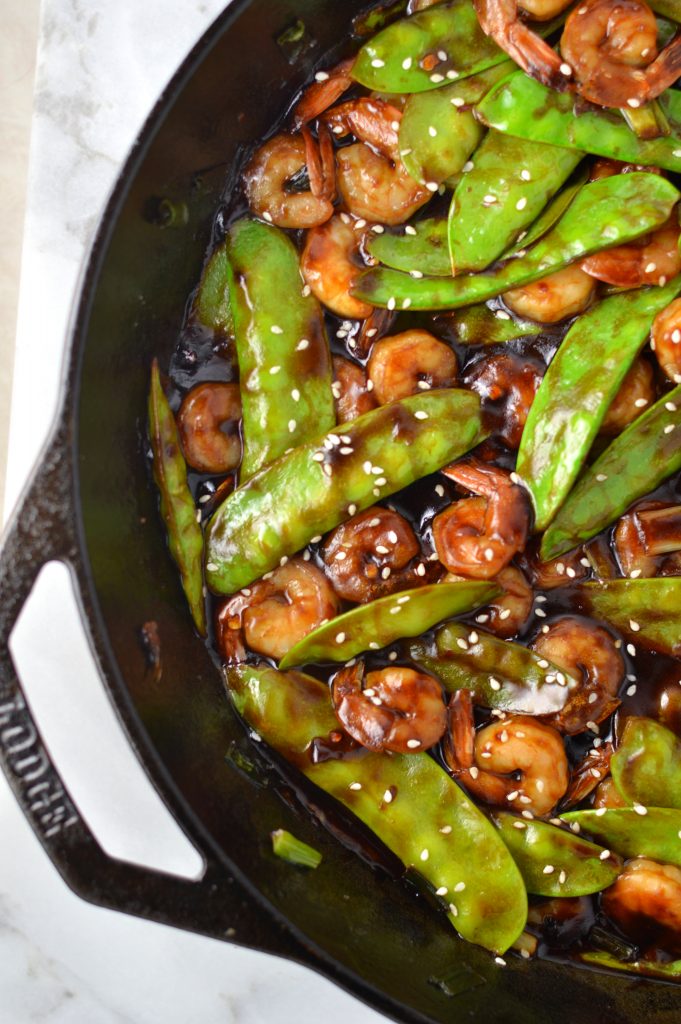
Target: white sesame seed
{"points": [[522, 203], [504, 613], [633, 102], [276, 329], [549, 869], [406, 63], [540, 612], [442, 891], [392, 302], [388, 795], [601, 477], [302, 345], [463, 644], [513, 795], [676, 336], [604, 855], [211, 567], [322, 76], [446, 830], [468, 166], [474, 772], [406, 303], [489, 199], [640, 809], [562, 878], [424, 855], [565, 69], [668, 429], [267, 216], [355, 785], [500, 960], [316, 539], [385, 573], [420, 569], [631, 690], [650, 267], [377, 63], [432, 132], [453, 910], [527, 814], [457, 101], [432, 186], [275, 369], [405, 599], [634, 626], [631, 650], [292, 426], [436, 78], [420, 415], [395, 610], [494, 683], [519, 824], [340, 638], [525, 175], [380, 481], [489, 554]]}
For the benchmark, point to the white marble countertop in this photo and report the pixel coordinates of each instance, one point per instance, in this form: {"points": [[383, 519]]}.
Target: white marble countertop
{"points": [[100, 68]]}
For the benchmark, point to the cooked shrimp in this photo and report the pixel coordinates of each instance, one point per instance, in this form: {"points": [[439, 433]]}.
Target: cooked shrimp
{"points": [[404, 364], [509, 612], [605, 168], [588, 653], [331, 264], [665, 340], [611, 46], [500, 19], [645, 902], [208, 422], [647, 540], [479, 536], [374, 554], [351, 390], [669, 706], [276, 612], [556, 297], [318, 97], [516, 761], [651, 260], [635, 394], [559, 572], [265, 179], [509, 383], [399, 709], [587, 774], [608, 795]]}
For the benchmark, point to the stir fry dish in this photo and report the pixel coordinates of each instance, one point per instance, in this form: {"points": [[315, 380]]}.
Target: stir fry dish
{"points": [[418, 452]]}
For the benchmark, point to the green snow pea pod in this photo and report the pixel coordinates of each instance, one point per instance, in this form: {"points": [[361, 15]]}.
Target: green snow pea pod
{"points": [[284, 361], [379, 623], [577, 389], [646, 766], [550, 216], [667, 9], [312, 489], [429, 822], [653, 604], [438, 131], [502, 674], [576, 865], [480, 325], [422, 247], [643, 455], [211, 303], [647, 968], [612, 210], [523, 107], [185, 538], [509, 185], [367, 23], [632, 833]]}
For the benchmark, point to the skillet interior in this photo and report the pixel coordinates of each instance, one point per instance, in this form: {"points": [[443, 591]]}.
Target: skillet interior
{"points": [[374, 930]]}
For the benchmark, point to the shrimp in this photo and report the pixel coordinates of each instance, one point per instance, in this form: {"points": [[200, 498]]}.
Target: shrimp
{"points": [[669, 706], [318, 97], [479, 536], [665, 340], [509, 612], [611, 46], [510, 382], [274, 613], [647, 540], [351, 390], [556, 297], [374, 554], [608, 795], [205, 411], [331, 264], [398, 709], [645, 902], [588, 774], [265, 180], [588, 653], [653, 259], [636, 392], [500, 20], [605, 168], [516, 761], [559, 572], [404, 364]]}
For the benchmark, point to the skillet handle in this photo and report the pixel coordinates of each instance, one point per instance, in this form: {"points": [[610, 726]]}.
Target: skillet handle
{"points": [[42, 530]]}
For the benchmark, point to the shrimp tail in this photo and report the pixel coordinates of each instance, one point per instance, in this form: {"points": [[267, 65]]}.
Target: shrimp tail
{"points": [[322, 94], [460, 736], [499, 19], [665, 69]]}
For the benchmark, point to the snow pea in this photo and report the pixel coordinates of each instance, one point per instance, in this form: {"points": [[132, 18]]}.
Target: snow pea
{"points": [[211, 304], [524, 107], [379, 623], [367, 23], [480, 325], [501, 674], [408, 801], [646, 766], [639, 459], [422, 247], [552, 213], [438, 130], [507, 188], [577, 389], [283, 353], [185, 538], [654, 605], [655, 834], [646, 968], [613, 210], [576, 867], [313, 488]]}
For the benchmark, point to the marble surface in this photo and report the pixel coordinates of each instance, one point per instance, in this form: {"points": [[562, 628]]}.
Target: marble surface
{"points": [[62, 961]]}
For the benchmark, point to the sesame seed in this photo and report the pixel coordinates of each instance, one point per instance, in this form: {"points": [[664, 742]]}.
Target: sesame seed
{"points": [[474, 772], [504, 613], [392, 302], [406, 303], [341, 556], [463, 644], [437, 78], [641, 402], [267, 216], [593, 697], [592, 727], [302, 345], [404, 599], [421, 415], [385, 573], [634, 103], [525, 175], [634, 626], [494, 683], [453, 910], [640, 809], [521, 204], [468, 166], [519, 824], [352, 509], [513, 795], [380, 481], [457, 101], [549, 869], [420, 569], [527, 814], [432, 186], [562, 878], [489, 199], [565, 69], [631, 690], [601, 477], [432, 132], [346, 450], [276, 329], [631, 650], [604, 855], [503, 736], [388, 795], [292, 426], [676, 336], [424, 855], [459, 887], [668, 429], [446, 830], [377, 63], [650, 267], [416, 274], [442, 891], [409, 230], [406, 63], [500, 960], [316, 539], [539, 783], [211, 567], [355, 785], [395, 610], [489, 554], [543, 663], [275, 369], [340, 638], [322, 76], [540, 612]]}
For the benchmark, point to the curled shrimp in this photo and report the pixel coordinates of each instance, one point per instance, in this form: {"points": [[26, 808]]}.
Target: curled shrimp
{"points": [[208, 422], [588, 774], [351, 390], [500, 19], [323, 93], [645, 902], [404, 364], [635, 394], [588, 653], [647, 540], [665, 340], [266, 178], [517, 761], [374, 554], [274, 613], [651, 260], [398, 709], [331, 264], [553, 298], [611, 46], [507, 614], [479, 536], [507, 384]]}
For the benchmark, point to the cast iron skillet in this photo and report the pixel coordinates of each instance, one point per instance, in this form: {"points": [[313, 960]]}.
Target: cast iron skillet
{"points": [[90, 505]]}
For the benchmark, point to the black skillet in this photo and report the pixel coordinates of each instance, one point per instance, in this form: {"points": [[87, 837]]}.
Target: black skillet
{"points": [[90, 504]]}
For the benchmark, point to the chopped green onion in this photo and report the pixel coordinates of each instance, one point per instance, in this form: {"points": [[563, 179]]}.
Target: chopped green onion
{"points": [[294, 850]]}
